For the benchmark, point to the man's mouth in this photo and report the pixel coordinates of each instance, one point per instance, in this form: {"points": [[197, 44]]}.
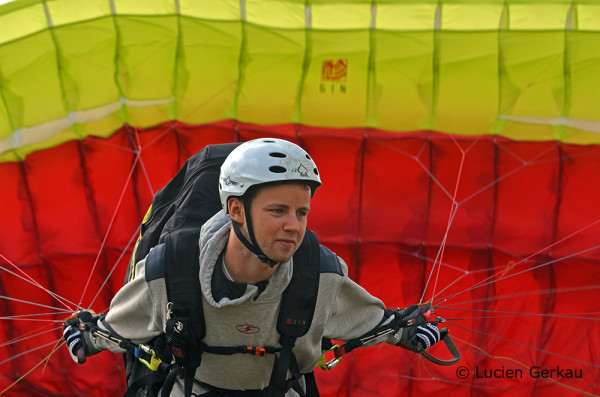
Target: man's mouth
{"points": [[287, 243]]}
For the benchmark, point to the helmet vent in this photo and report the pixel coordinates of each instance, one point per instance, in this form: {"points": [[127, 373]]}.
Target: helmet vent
{"points": [[316, 172], [278, 155], [277, 169], [268, 141], [307, 156]]}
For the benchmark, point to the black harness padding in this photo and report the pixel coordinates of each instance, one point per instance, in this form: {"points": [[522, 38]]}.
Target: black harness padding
{"points": [[300, 297], [297, 307]]}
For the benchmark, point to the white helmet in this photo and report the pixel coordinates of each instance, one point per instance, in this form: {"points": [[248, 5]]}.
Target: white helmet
{"points": [[265, 160]]}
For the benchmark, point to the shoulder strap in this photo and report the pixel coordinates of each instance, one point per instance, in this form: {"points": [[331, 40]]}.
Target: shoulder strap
{"points": [[300, 297], [185, 326], [181, 279], [199, 201], [297, 308]]}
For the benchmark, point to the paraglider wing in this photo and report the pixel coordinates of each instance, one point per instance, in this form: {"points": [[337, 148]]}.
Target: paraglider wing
{"points": [[457, 143]]}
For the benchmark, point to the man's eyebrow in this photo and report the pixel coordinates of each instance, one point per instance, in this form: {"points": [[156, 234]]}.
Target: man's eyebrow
{"points": [[281, 205], [303, 209]]}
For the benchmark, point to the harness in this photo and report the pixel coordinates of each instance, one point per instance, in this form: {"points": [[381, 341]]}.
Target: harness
{"points": [[169, 242], [186, 326]]}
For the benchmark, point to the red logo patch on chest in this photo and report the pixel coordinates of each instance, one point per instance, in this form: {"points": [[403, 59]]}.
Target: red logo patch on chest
{"points": [[247, 329]]}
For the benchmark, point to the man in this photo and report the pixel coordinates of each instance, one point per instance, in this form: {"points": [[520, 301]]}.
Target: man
{"points": [[246, 255]]}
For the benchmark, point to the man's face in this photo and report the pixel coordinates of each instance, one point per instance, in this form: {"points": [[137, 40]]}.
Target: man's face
{"points": [[279, 214]]}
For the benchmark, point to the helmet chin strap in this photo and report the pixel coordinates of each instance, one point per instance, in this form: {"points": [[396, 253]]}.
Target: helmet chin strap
{"points": [[252, 246]]}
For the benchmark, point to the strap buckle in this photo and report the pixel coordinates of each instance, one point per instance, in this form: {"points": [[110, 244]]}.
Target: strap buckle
{"points": [[256, 351]]}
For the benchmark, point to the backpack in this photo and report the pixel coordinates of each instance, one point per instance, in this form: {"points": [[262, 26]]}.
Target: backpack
{"points": [[169, 242]]}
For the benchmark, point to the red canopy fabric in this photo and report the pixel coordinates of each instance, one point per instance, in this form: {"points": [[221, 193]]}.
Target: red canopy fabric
{"points": [[502, 234]]}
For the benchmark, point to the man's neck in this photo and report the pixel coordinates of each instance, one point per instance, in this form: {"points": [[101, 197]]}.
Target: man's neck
{"points": [[242, 265]]}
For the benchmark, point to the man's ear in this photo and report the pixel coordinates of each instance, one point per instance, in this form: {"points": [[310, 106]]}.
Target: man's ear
{"points": [[236, 210]]}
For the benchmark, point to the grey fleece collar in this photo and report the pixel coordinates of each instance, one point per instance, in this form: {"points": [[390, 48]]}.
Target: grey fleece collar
{"points": [[213, 238]]}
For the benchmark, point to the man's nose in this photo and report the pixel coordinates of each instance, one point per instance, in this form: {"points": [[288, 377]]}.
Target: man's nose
{"points": [[292, 223]]}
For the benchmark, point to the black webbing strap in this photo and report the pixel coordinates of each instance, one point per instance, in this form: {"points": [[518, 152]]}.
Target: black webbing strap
{"points": [[252, 246], [229, 350], [214, 391], [311, 385], [261, 255], [277, 384], [297, 309], [147, 380], [309, 379], [188, 381], [169, 382], [391, 327]]}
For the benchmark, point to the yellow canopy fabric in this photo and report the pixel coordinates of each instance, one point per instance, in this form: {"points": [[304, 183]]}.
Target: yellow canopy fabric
{"points": [[527, 70]]}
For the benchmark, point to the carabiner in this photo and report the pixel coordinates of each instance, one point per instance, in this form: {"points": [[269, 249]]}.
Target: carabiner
{"points": [[154, 360], [327, 365]]}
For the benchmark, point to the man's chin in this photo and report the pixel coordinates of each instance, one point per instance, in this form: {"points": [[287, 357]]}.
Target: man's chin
{"points": [[281, 257]]}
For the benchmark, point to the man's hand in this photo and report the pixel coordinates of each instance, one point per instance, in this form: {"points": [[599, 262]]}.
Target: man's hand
{"points": [[418, 334], [77, 336]]}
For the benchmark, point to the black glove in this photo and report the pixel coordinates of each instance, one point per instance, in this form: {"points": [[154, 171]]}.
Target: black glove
{"points": [[417, 333], [77, 335]]}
